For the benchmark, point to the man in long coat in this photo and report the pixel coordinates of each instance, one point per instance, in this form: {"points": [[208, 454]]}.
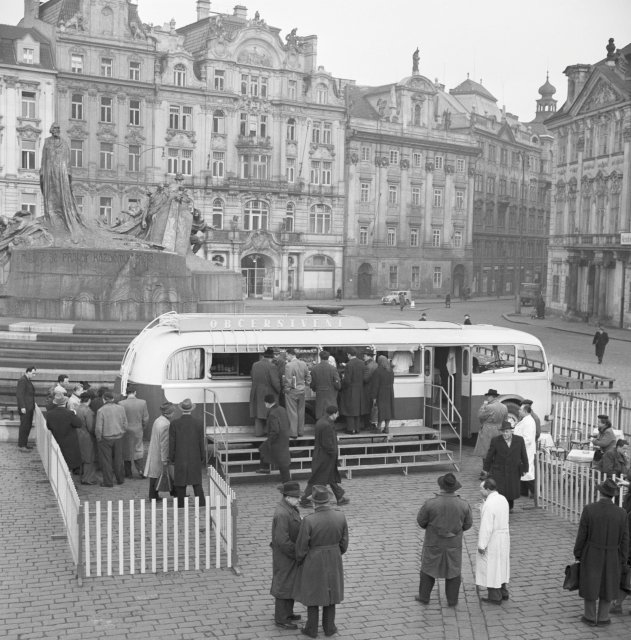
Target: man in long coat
{"points": [[325, 381], [492, 564], [602, 548], [285, 527], [491, 415], [527, 429], [600, 341], [265, 379], [352, 390], [276, 448], [158, 452], [322, 540], [325, 459], [25, 395], [137, 419], [506, 462], [370, 366], [296, 379], [87, 442], [187, 452], [445, 517], [64, 424]]}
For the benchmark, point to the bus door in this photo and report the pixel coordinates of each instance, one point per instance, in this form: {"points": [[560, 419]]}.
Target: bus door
{"points": [[465, 390], [450, 375]]}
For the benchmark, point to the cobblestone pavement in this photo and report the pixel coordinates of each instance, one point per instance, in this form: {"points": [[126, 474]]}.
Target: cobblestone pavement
{"points": [[40, 597]]}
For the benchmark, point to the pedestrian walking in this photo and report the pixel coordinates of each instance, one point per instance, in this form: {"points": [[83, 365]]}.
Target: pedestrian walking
{"points": [[285, 528], [603, 441], [87, 442], [324, 465], [369, 418], [506, 462], [158, 452], [491, 414], [187, 452], [325, 381], [63, 424], [137, 419], [467, 319], [448, 301], [382, 393], [527, 429], [600, 340], [295, 382], [322, 540], [110, 427], [25, 396], [492, 564], [445, 517], [265, 380], [352, 389], [275, 450], [401, 300], [602, 548]]}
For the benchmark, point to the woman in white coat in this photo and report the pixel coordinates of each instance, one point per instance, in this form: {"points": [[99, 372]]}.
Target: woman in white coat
{"points": [[527, 429], [492, 567]]}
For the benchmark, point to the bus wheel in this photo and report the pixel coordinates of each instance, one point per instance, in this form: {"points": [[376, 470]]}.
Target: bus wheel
{"points": [[513, 412]]}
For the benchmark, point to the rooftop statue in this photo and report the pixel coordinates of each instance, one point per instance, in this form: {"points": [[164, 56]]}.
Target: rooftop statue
{"points": [[415, 59]]}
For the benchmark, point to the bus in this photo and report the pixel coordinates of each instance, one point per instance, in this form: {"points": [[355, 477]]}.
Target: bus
{"points": [[181, 356]]}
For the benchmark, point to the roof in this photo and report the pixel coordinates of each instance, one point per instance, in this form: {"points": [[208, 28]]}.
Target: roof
{"points": [[469, 86], [360, 107], [8, 37]]}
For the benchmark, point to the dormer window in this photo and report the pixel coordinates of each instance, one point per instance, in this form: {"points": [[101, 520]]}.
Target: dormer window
{"points": [[322, 94], [179, 75], [28, 55]]}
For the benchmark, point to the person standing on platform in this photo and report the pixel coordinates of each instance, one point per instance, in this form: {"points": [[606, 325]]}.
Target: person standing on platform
{"points": [[137, 419], [322, 540], [276, 448], [368, 418], [265, 380], [111, 424], [382, 393], [64, 425], [158, 452], [187, 452], [351, 393], [445, 517], [285, 528], [325, 381], [602, 548], [491, 414], [86, 440], [297, 379], [527, 429], [600, 341], [25, 395]]}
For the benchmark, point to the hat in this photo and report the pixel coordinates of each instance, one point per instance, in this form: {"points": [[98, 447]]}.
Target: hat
{"points": [[331, 409], [320, 494], [492, 392], [268, 353], [526, 402], [270, 398], [507, 426], [167, 407], [449, 482], [608, 488], [60, 399], [368, 352], [186, 405], [291, 488], [602, 416]]}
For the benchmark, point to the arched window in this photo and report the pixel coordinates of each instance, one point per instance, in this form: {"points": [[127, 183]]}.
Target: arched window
{"points": [[107, 21], [290, 217], [256, 213], [291, 129], [179, 75], [319, 261], [320, 219], [322, 94], [219, 121], [417, 115], [218, 213]]}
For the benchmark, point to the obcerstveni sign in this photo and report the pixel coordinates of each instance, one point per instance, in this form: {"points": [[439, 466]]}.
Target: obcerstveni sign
{"points": [[228, 322]]}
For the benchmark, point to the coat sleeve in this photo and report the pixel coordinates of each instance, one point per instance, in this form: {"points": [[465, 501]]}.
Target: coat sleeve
{"points": [[302, 541], [490, 456], [273, 427], [581, 535], [202, 443], [164, 445], [171, 445], [524, 457], [98, 429], [280, 537], [624, 539], [344, 538], [486, 526], [468, 519], [423, 517], [274, 378], [328, 440], [335, 377], [145, 416], [20, 392]]}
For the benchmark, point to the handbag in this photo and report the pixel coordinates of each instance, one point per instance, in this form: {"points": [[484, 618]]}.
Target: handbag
{"points": [[572, 574], [625, 579], [164, 481]]}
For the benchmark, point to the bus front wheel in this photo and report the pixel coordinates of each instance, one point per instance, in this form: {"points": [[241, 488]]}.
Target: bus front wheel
{"points": [[513, 412]]}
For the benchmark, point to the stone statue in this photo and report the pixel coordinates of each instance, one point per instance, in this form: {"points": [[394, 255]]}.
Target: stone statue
{"points": [[60, 209], [415, 59], [198, 230]]}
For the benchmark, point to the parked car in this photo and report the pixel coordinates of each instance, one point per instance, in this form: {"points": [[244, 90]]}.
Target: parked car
{"points": [[393, 297]]}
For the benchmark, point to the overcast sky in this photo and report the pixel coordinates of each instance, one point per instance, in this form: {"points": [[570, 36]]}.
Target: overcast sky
{"points": [[508, 45]]}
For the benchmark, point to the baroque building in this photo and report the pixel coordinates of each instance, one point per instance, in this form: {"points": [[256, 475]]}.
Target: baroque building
{"points": [[589, 252]]}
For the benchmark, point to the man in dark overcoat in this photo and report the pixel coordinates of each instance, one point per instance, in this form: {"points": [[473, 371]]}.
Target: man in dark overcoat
{"points": [[602, 548], [25, 395], [322, 540], [276, 448], [445, 517], [506, 462], [265, 379], [600, 341], [352, 391], [325, 459], [187, 453], [370, 366], [285, 527], [325, 381], [64, 424]]}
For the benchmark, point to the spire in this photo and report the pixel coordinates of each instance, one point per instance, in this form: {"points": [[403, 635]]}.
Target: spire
{"points": [[546, 104]]}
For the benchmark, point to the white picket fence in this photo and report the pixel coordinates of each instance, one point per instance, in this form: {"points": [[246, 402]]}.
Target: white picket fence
{"points": [[576, 418]]}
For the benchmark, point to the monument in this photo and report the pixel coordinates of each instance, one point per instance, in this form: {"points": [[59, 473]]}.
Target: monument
{"points": [[68, 267]]}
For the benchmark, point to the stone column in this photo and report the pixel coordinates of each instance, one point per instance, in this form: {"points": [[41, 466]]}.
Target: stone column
{"points": [[625, 193], [284, 274], [300, 276]]}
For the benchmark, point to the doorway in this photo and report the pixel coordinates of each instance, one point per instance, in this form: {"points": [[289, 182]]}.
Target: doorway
{"points": [[364, 281]]}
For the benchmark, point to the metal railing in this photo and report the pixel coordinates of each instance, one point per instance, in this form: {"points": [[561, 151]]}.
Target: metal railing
{"points": [[215, 420], [447, 414]]}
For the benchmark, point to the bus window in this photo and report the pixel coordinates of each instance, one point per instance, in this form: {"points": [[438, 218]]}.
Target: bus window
{"points": [[530, 358], [490, 357], [187, 364], [232, 364]]}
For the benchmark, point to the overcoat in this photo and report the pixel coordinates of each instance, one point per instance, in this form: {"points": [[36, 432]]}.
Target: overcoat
{"points": [[352, 388], [370, 366], [63, 424], [85, 433], [382, 390], [600, 341], [325, 381], [186, 450], [25, 394], [322, 539], [444, 517], [506, 464], [491, 415], [265, 380], [325, 451], [285, 527], [602, 546], [492, 569], [158, 452], [278, 436]]}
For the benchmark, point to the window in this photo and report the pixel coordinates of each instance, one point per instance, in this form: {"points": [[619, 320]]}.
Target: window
{"points": [[292, 87], [365, 154], [603, 138], [218, 164], [314, 177], [478, 182], [363, 235], [435, 237], [186, 164], [416, 196], [503, 156], [28, 154], [457, 239], [217, 213], [502, 191], [414, 236], [174, 117], [326, 133], [28, 55], [134, 70], [490, 184], [263, 126], [106, 67], [106, 109], [391, 237], [134, 112], [76, 107], [416, 277], [320, 219], [76, 63], [187, 118], [315, 132], [264, 86], [513, 189], [179, 75], [290, 215], [133, 157], [364, 191], [438, 197], [459, 199], [106, 155], [437, 278], [219, 80], [29, 203], [416, 160], [393, 276], [254, 86], [79, 201], [322, 94], [256, 213], [529, 358], [460, 165], [173, 158], [244, 84], [492, 152], [393, 194], [255, 166], [394, 157], [219, 122], [291, 129], [290, 170], [438, 162], [105, 210], [28, 104], [326, 173], [76, 153], [417, 115]]}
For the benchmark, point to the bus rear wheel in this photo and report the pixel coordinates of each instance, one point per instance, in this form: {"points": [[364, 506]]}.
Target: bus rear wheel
{"points": [[513, 412]]}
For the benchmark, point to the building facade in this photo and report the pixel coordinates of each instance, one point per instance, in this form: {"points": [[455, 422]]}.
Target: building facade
{"points": [[589, 252]]}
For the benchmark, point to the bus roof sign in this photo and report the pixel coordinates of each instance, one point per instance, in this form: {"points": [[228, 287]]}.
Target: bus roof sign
{"points": [[231, 322]]}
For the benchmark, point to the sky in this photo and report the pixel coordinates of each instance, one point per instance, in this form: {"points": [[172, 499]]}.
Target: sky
{"points": [[508, 45]]}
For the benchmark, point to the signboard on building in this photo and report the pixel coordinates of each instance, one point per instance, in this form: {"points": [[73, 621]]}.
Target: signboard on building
{"points": [[625, 238]]}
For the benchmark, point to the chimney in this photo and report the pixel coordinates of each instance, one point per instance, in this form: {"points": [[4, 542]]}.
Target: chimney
{"points": [[241, 11], [31, 12], [203, 9], [577, 77]]}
